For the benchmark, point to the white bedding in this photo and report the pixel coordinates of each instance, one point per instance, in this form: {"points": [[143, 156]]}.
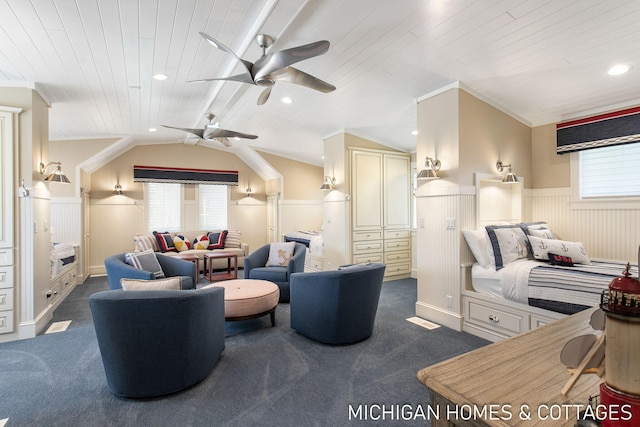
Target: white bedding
{"points": [[510, 282], [312, 239]]}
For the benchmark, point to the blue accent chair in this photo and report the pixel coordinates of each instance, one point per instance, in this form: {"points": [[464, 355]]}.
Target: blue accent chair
{"points": [[157, 342], [254, 268], [117, 268], [338, 306]]}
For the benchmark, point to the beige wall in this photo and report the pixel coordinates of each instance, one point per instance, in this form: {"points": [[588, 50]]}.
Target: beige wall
{"points": [[549, 170], [300, 181]]}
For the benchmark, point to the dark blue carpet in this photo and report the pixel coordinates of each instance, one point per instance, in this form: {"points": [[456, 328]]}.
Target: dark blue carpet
{"points": [[266, 376]]}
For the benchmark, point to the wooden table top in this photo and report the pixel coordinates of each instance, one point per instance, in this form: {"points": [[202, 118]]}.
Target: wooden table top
{"points": [[522, 370]]}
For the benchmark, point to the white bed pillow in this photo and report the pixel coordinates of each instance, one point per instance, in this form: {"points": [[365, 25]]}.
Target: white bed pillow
{"points": [[539, 229], [575, 250], [507, 243], [478, 243]]}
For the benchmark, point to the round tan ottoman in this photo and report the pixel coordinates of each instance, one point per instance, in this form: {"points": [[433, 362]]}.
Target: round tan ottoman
{"points": [[249, 298]]}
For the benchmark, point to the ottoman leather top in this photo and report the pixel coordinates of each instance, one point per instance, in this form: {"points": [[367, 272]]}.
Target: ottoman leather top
{"points": [[248, 297]]}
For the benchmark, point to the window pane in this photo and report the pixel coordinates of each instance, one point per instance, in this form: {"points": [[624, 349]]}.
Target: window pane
{"points": [[212, 201], [610, 171], [164, 206]]}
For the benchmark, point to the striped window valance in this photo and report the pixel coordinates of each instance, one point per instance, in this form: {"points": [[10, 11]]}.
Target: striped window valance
{"points": [[616, 128], [184, 175]]}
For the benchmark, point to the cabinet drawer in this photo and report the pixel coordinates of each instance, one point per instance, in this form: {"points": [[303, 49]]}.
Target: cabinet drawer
{"points": [[359, 236], [401, 256], [316, 264], [397, 234], [6, 256], [495, 318], [367, 247], [6, 299], [6, 321], [397, 268], [6, 277], [358, 259], [397, 245]]}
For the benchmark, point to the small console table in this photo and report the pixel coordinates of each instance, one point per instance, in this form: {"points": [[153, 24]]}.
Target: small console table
{"points": [[512, 380], [228, 275]]}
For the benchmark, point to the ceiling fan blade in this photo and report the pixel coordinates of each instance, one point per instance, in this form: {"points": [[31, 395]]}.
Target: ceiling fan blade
{"points": [[224, 141], [278, 60], [224, 133], [242, 78], [295, 76], [197, 132], [248, 65], [264, 95]]}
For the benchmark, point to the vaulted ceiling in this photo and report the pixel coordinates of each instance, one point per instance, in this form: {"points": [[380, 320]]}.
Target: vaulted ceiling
{"points": [[93, 60]]}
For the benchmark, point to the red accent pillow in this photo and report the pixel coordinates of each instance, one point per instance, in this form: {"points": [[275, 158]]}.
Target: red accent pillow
{"points": [[165, 241], [216, 240], [562, 260]]}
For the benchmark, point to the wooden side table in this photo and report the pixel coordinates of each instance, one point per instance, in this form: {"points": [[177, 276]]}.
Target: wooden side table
{"points": [[229, 274], [522, 377], [194, 259]]}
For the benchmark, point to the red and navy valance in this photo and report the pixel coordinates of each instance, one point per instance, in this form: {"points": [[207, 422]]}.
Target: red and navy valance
{"points": [[184, 175], [616, 128]]}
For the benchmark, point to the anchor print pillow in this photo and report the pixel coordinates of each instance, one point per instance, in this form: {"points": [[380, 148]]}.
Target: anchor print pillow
{"points": [[574, 250], [280, 254]]}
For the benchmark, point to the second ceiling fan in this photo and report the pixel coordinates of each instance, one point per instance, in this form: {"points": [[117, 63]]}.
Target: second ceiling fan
{"points": [[213, 132], [275, 66]]}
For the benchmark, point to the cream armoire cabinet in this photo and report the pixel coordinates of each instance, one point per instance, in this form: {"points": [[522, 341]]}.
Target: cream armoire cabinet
{"points": [[381, 210]]}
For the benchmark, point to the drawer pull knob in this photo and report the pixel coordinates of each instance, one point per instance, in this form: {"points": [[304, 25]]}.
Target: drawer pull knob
{"points": [[493, 318]]}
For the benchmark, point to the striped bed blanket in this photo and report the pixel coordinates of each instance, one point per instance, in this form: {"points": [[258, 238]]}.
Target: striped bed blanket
{"points": [[568, 290]]}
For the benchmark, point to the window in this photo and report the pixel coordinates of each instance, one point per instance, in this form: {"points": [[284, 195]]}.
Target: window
{"points": [[212, 207], [609, 171], [164, 206]]}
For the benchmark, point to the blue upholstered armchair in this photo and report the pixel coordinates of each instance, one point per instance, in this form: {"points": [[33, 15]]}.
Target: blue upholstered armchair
{"points": [[255, 268], [158, 342], [117, 268], [338, 306]]}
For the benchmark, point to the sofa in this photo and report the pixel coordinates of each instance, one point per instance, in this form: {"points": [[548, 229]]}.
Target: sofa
{"points": [[156, 342], [174, 243]]}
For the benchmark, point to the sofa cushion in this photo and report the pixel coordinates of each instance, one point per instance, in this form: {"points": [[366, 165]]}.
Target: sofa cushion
{"points": [[217, 239], [165, 241], [280, 253], [181, 243], [272, 274], [170, 283], [146, 261], [200, 242]]}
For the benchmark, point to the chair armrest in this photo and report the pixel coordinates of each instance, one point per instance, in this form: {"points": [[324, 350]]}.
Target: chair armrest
{"points": [[117, 270], [177, 267], [296, 263], [257, 258]]}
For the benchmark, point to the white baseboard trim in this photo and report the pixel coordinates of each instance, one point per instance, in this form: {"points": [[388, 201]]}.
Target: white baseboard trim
{"points": [[438, 315]]}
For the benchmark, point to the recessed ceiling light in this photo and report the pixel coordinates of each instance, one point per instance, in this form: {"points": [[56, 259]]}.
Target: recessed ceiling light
{"points": [[160, 76], [153, 129], [287, 100], [618, 69]]}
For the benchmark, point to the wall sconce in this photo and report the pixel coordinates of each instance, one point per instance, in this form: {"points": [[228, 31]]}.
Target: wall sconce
{"points": [[117, 189], [431, 168], [249, 191], [55, 176], [329, 183], [508, 177]]}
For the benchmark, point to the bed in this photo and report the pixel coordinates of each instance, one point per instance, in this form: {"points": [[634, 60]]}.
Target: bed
{"points": [[62, 254], [311, 239]]}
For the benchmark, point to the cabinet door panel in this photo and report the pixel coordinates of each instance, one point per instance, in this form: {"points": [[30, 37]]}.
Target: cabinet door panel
{"points": [[397, 189], [367, 190]]}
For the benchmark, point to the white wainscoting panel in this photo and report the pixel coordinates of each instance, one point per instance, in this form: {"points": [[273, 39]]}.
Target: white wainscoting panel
{"points": [[66, 220]]}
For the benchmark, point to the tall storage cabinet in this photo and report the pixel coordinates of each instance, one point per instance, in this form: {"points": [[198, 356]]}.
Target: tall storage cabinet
{"points": [[381, 210]]}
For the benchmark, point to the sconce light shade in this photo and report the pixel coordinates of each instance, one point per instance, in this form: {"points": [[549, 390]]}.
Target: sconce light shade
{"points": [[328, 184], [430, 171], [55, 176], [117, 189], [509, 177], [249, 191]]}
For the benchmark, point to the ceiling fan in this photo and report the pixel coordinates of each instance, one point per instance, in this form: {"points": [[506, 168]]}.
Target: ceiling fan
{"points": [[213, 132], [275, 66]]}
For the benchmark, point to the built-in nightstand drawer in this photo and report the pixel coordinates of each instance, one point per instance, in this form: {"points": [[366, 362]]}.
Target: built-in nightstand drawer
{"points": [[359, 236], [397, 234], [495, 318], [314, 263]]}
